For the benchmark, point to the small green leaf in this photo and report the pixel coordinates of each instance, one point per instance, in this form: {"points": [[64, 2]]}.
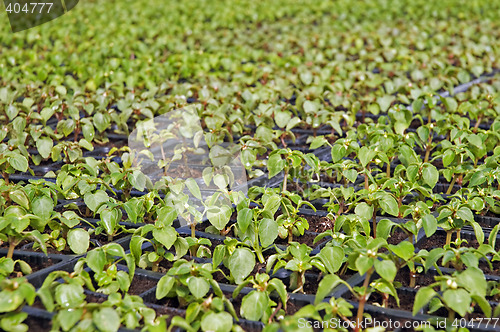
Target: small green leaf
{"points": [[318, 142], [193, 188], [430, 175], [350, 174], [386, 269], [101, 121], [448, 157], [199, 287], [110, 219], [217, 322], [364, 210], [44, 146], [424, 295], [18, 162], [338, 152], [326, 286], [219, 216], [86, 144], [389, 205], [107, 320], [42, 206], [429, 223], [165, 235], [272, 204], [385, 102], [280, 288], [268, 232], [138, 180], [275, 164], [69, 318], [465, 214], [404, 249], [332, 257], [363, 264], [244, 218], [474, 280], [475, 140], [165, 284], [10, 301], [94, 201], [78, 240], [366, 155], [254, 305], [19, 197], [69, 295], [458, 300], [241, 264], [477, 179]]}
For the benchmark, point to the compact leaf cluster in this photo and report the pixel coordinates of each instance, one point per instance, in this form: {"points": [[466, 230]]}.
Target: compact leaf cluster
{"points": [[370, 138]]}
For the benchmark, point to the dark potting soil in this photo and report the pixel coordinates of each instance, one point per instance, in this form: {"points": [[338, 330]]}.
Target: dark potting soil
{"points": [[166, 302], [406, 300], [185, 172], [397, 237], [38, 304], [165, 265], [307, 239], [438, 240], [84, 212], [35, 266], [491, 214], [316, 224], [91, 298], [5, 245], [37, 324], [310, 286], [477, 313], [166, 311], [486, 268], [101, 238], [214, 243], [102, 150], [422, 279], [44, 264], [219, 277], [319, 224], [291, 307], [141, 284]]}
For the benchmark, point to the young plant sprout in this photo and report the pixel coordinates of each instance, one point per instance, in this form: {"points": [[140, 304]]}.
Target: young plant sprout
{"points": [[290, 223]]}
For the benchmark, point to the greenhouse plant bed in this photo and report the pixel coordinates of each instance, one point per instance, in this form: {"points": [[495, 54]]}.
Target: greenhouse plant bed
{"points": [[368, 184]]}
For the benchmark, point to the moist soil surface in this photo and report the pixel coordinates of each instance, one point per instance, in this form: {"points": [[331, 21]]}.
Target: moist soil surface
{"points": [[406, 300], [438, 240], [486, 268], [140, 284], [43, 264], [396, 237], [422, 279], [36, 266], [37, 324], [307, 238], [102, 239], [317, 224]]}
